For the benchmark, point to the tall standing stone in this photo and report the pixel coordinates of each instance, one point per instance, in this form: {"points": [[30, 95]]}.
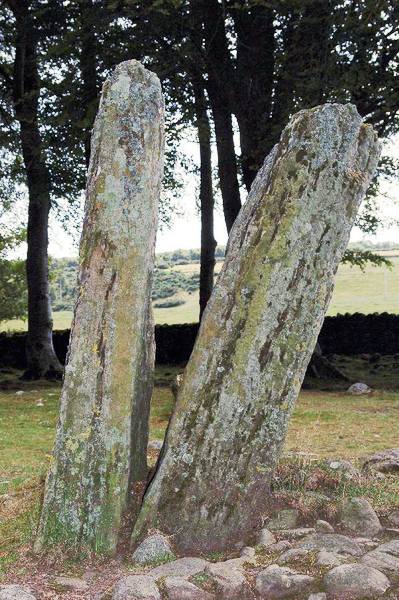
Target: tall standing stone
{"points": [[258, 332], [100, 448]]}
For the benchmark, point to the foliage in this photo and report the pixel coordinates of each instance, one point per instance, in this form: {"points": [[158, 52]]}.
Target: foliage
{"points": [[13, 292]]}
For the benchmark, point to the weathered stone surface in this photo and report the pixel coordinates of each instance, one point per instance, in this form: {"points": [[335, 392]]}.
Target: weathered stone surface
{"points": [[391, 547], [230, 580], [345, 468], [266, 538], [323, 527], [71, 583], [154, 548], [358, 517], [177, 588], [281, 582], [386, 461], [329, 559], [101, 441], [258, 332], [15, 592], [284, 519], [247, 552], [355, 582], [359, 389], [332, 542], [292, 555], [182, 567], [383, 561], [136, 587]]}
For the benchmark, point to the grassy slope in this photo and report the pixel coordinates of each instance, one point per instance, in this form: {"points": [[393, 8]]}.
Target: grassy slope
{"points": [[374, 290]]}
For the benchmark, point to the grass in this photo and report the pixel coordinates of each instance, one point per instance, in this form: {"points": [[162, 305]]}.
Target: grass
{"points": [[324, 424], [374, 290]]}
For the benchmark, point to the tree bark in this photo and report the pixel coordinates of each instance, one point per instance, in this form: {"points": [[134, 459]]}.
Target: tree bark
{"points": [[257, 335], [41, 358], [101, 442], [220, 91], [208, 243]]}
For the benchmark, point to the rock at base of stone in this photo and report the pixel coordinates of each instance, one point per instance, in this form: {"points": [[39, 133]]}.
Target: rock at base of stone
{"points": [[153, 549], [266, 538], [323, 527], [292, 555], [72, 584], [15, 592], [358, 389], [329, 559], [386, 461], [332, 542], [355, 582], [182, 568], [177, 588], [230, 580], [281, 582], [136, 587], [382, 561], [358, 516], [344, 468]]}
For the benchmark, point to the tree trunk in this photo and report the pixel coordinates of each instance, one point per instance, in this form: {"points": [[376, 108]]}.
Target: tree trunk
{"points": [[101, 442], [208, 243], [41, 358], [211, 486], [220, 90]]}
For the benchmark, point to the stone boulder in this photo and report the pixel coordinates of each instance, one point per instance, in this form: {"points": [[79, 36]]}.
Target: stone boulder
{"points": [[355, 582], [15, 592], [329, 559], [230, 580], [292, 555], [178, 588], [281, 582], [359, 389], [73, 584], [332, 542], [386, 461], [266, 538], [153, 549], [358, 517], [182, 568], [383, 561], [136, 587]]}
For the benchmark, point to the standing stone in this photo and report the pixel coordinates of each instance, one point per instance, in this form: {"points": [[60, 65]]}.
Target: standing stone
{"points": [[258, 332], [100, 448]]}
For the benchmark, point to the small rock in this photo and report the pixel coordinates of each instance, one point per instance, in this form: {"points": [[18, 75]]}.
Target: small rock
{"points": [[332, 542], [136, 587], [355, 581], [281, 582], [366, 542], [230, 580], [155, 548], [329, 559], [15, 592], [178, 588], [382, 561], [19, 393], [284, 519], [358, 389], [319, 596], [393, 518], [280, 546], [299, 532], [266, 538], [323, 527], [182, 568], [391, 547], [386, 461], [247, 552], [345, 468], [292, 555], [358, 516], [72, 584]]}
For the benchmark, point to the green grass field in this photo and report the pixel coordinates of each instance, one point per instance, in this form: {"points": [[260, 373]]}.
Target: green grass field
{"points": [[374, 290]]}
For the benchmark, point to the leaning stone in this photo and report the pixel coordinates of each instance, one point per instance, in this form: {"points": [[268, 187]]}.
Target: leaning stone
{"points": [[155, 548], [386, 461], [387, 563], [282, 582], [15, 592], [329, 559], [284, 519], [266, 538], [332, 542], [355, 581], [72, 584], [358, 517], [292, 555], [323, 527], [258, 332], [136, 587], [100, 451], [178, 588], [344, 468], [359, 389], [230, 580], [300, 532], [182, 568]]}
